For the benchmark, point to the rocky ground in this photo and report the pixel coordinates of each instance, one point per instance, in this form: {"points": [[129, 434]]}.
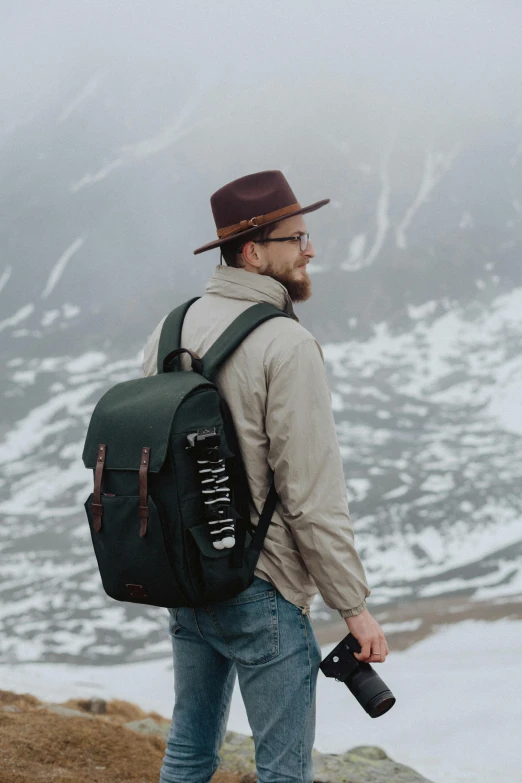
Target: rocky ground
{"points": [[116, 742]]}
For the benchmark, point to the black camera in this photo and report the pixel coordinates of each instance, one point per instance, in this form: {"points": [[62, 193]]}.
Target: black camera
{"points": [[371, 692]]}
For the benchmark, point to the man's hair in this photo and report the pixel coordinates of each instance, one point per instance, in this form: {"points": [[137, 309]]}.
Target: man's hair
{"points": [[231, 250]]}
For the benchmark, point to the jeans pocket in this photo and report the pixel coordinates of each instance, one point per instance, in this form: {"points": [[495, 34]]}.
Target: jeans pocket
{"points": [[174, 626], [249, 626]]}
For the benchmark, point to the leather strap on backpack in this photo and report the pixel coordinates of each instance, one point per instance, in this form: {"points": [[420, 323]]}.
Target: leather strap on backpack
{"points": [[97, 508], [142, 475]]}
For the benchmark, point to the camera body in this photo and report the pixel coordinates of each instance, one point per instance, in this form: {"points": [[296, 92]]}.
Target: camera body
{"points": [[371, 692]]}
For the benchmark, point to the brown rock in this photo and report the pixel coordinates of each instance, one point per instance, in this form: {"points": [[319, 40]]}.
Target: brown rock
{"points": [[94, 706]]}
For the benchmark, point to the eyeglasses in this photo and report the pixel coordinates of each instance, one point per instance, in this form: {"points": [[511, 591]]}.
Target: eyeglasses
{"points": [[303, 240]]}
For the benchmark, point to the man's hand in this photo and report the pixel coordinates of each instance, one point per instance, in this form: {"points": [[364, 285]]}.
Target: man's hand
{"points": [[370, 636]]}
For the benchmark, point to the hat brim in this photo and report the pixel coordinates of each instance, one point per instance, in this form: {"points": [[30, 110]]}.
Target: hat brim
{"points": [[255, 229]]}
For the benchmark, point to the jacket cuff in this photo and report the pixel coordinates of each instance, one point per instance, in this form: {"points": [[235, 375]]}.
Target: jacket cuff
{"points": [[352, 612]]}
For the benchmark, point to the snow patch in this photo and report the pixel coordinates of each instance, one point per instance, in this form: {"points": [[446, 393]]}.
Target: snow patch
{"points": [[89, 91], [59, 268], [356, 252], [69, 311], [4, 277], [89, 361], [422, 311], [466, 221], [132, 153], [49, 317], [31, 431], [436, 164], [20, 315]]}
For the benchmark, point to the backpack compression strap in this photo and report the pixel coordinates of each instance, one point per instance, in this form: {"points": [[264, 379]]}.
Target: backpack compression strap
{"points": [[170, 337], [265, 519], [235, 334]]}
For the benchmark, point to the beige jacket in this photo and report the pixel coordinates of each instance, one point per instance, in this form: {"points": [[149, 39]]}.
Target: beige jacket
{"points": [[276, 387]]}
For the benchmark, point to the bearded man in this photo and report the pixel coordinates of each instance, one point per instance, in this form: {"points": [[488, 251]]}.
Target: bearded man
{"points": [[276, 388]]}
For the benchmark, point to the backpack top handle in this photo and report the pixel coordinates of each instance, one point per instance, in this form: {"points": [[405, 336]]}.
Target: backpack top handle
{"points": [[170, 337], [168, 361]]}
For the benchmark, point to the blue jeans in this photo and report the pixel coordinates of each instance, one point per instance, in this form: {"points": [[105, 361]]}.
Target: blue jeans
{"points": [[271, 646]]}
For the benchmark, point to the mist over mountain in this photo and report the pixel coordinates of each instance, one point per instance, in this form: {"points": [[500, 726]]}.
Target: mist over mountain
{"points": [[103, 204], [107, 163]]}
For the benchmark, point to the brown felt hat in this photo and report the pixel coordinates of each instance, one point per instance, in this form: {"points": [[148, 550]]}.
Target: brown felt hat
{"points": [[245, 205]]}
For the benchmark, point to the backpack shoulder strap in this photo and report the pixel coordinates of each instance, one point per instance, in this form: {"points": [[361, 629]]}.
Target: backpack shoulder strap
{"points": [[170, 337], [235, 334]]}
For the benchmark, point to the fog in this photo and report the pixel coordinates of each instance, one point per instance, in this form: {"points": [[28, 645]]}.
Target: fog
{"points": [[119, 119], [456, 57]]}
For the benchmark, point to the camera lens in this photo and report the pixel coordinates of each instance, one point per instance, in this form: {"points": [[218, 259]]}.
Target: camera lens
{"points": [[380, 704], [370, 691]]}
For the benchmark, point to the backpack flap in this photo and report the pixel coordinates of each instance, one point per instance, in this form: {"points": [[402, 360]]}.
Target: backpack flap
{"points": [[136, 442], [136, 414]]}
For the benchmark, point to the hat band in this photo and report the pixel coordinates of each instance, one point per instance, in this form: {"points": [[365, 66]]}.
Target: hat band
{"points": [[256, 221]]}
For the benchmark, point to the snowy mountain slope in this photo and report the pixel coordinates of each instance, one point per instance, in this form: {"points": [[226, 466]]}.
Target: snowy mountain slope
{"points": [[432, 454], [104, 195], [430, 425]]}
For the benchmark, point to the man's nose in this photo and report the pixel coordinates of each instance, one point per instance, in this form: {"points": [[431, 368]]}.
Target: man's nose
{"points": [[309, 252]]}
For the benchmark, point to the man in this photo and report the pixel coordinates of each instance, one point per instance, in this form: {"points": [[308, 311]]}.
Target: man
{"points": [[276, 387]]}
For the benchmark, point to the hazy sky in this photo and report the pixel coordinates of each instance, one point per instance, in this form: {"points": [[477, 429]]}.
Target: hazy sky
{"points": [[467, 50]]}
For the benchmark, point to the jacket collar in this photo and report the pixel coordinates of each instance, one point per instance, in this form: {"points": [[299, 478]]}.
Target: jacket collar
{"points": [[236, 283]]}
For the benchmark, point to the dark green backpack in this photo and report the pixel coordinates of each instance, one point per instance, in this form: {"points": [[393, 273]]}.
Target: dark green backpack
{"points": [[169, 515]]}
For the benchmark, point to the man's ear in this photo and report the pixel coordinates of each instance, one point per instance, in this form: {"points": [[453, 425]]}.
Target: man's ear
{"points": [[250, 253]]}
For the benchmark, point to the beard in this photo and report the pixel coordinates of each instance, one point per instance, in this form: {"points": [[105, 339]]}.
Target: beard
{"points": [[298, 290]]}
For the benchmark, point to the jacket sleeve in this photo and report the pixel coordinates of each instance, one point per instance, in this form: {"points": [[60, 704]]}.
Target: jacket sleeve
{"points": [[305, 457], [150, 351]]}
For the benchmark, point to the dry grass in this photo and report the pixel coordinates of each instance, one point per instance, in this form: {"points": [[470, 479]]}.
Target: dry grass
{"points": [[38, 746]]}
